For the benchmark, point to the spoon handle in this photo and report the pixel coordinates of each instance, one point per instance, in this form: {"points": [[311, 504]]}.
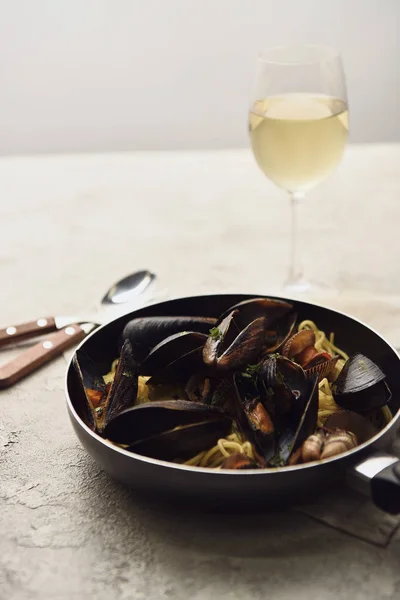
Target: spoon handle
{"points": [[16, 333], [39, 354]]}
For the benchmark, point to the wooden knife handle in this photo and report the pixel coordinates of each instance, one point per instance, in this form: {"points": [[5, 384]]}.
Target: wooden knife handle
{"points": [[39, 354], [15, 333]]}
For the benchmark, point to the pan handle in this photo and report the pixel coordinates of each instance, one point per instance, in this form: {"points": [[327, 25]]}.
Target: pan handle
{"points": [[378, 476]]}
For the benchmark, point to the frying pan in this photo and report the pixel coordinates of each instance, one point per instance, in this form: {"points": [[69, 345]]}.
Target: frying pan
{"points": [[368, 468]]}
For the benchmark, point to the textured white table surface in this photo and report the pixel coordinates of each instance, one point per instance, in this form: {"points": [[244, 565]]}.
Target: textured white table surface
{"points": [[204, 222]]}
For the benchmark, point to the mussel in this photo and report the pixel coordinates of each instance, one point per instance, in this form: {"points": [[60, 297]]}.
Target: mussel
{"points": [[361, 385], [146, 332], [255, 421], [279, 319], [285, 385], [271, 309], [228, 347], [175, 358], [175, 429], [293, 435], [104, 402]]}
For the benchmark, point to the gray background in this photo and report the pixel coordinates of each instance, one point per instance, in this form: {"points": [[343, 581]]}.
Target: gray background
{"points": [[174, 74]]}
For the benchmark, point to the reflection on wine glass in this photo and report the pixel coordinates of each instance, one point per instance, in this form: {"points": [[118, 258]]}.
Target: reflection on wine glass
{"points": [[298, 126]]}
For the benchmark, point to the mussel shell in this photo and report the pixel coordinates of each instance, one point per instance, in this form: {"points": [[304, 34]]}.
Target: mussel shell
{"points": [[375, 396], [285, 382], [245, 348], [293, 436], [184, 442], [175, 358], [255, 421], [148, 420], [123, 390], [85, 401], [361, 385], [200, 388], [215, 345], [348, 420], [248, 310], [146, 332], [277, 334], [104, 402], [358, 373]]}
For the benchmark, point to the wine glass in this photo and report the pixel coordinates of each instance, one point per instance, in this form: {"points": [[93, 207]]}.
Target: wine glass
{"points": [[298, 127]]}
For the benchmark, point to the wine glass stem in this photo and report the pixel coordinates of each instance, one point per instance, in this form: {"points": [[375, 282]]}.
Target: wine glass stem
{"points": [[295, 271]]}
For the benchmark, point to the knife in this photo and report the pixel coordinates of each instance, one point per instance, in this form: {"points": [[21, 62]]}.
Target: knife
{"points": [[49, 347]]}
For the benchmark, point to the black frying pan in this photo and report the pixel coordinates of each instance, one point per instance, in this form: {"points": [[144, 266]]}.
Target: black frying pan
{"points": [[367, 467]]}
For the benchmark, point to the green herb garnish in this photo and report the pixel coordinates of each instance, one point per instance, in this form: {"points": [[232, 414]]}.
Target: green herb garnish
{"points": [[215, 334], [253, 369]]}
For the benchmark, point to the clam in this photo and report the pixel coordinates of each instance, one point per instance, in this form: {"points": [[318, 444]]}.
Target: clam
{"points": [[104, 402], [300, 348], [146, 332], [298, 343], [174, 429], [337, 442], [361, 385], [312, 447], [348, 420]]}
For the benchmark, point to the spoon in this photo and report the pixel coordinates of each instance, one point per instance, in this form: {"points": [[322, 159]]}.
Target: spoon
{"points": [[128, 288], [69, 330]]}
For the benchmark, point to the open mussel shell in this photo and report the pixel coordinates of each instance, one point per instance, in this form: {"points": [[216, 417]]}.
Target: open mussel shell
{"points": [[146, 332], [347, 420], [184, 442], [230, 349], [291, 437], [200, 388], [104, 402], [147, 420], [175, 358], [361, 385], [284, 383], [175, 429], [248, 310], [277, 334], [220, 338], [255, 421]]}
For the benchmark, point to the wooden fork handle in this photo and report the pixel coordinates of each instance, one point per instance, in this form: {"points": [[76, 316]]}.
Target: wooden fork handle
{"points": [[29, 360], [15, 333]]}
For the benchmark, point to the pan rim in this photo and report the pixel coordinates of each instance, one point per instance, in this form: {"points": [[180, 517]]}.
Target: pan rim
{"points": [[215, 472]]}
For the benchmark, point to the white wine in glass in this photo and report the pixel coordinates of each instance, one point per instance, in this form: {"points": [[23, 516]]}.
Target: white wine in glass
{"points": [[298, 126]]}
